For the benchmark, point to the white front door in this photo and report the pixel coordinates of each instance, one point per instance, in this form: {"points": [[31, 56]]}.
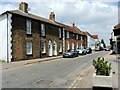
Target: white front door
{"points": [[54, 48], [72, 45], [50, 48]]}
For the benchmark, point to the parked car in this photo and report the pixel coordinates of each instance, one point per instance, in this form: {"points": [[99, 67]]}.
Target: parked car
{"points": [[82, 51], [88, 50], [71, 53]]}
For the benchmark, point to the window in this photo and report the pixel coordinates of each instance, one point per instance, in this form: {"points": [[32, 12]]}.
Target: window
{"points": [[76, 45], [77, 36], [28, 27], [29, 47], [68, 34], [60, 47], [42, 30], [43, 47], [59, 32], [81, 38], [68, 46]]}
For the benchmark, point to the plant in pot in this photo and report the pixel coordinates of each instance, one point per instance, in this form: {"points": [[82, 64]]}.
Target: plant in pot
{"points": [[102, 76]]}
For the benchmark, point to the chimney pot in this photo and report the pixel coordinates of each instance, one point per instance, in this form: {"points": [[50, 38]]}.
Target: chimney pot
{"points": [[73, 24], [23, 7], [52, 16]]}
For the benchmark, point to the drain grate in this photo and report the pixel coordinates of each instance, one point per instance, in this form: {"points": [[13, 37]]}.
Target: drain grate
{"points": [[46, 82]]}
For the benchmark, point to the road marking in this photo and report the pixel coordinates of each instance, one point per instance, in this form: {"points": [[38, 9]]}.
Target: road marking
{"points": [[79, 78]]}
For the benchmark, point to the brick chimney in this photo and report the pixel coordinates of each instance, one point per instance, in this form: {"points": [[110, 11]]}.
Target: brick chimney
{"points": [[73, 24], [52, 16], [23, 7]]}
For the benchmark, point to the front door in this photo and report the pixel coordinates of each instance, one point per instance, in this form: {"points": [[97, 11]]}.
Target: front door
{"points": [[50, 48], [54, 48]]}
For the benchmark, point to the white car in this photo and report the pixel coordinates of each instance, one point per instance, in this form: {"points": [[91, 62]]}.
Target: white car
{"points": [[82, 51]]}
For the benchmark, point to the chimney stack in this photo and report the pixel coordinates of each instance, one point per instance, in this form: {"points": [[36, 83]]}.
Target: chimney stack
{"points": [[73, 24], [23, 7], [52, 16]]}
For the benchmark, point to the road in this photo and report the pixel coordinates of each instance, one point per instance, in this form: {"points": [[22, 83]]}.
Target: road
{"points": [[59, 73]]}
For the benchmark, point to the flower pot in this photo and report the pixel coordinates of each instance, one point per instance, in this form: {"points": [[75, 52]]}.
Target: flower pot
{"points": [[102, 81]]}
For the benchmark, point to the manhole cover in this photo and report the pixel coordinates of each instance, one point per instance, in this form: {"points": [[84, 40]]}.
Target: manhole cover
{"points": [[44, 82]]}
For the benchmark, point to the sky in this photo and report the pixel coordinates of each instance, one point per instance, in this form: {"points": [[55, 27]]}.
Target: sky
{"points": [[95, 16]]}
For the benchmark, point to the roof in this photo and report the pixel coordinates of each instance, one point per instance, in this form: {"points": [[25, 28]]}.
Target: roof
{"points": [[87, 33], [71, 29], [117, 26], [19, 12], [95, 36]]}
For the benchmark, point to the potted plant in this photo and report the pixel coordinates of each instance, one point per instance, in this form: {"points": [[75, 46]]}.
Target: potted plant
{"points": [[102, 76]]}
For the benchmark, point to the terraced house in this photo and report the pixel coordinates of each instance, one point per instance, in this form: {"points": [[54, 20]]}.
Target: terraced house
{"points": [[28, 36], [74, 37]]}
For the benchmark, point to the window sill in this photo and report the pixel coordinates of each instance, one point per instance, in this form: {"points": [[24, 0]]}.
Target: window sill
{"points": [[29, 54], [29, 35]]}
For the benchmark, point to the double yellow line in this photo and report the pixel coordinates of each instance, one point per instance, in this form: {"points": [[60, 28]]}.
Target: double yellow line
{"points": [[75, 83], [77, 80]]}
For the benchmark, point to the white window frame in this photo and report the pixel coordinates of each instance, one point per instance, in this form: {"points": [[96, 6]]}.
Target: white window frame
{"points": [[76, 45], [29, 47], [60, 35], [42, 29], [68, 34], [77, 36], [43, 46], [60, 47], [28, 27], [68, 45]]}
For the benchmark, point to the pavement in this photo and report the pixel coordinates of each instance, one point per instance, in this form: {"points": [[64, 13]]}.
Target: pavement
{"points": [[5, 65], [86, 81]]}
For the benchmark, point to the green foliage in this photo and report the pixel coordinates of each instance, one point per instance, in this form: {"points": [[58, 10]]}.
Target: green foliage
{"points": [[102, 67]]}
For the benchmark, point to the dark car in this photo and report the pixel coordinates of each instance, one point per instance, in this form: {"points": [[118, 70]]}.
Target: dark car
{"points": [[88, 50], [70, 53]]}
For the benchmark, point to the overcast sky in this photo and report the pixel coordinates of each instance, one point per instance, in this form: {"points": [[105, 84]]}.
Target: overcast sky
{"points": [[96, 17]]}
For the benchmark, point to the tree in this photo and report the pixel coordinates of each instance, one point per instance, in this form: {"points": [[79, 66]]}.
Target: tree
{"points": [[104, 45]]}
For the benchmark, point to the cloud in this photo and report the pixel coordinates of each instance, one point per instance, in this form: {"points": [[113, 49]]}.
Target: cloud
{"points": [[97, 17]]}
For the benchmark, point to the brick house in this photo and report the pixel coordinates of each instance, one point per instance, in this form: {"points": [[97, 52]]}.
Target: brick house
{"points": [[27, 36], [74, 37]]}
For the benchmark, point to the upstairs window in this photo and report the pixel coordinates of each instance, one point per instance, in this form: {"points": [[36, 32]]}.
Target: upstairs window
{"points": [[77, 36], [42, 30], [60, 35], [29, 47], [28, 27], [68, 36]]}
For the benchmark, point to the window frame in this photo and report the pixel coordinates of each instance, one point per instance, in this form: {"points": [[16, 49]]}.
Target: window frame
{"points": [[60, 33], [43, 33], [68, 34], [43, 47], [60, 47], [28, 27], [29, 48]]}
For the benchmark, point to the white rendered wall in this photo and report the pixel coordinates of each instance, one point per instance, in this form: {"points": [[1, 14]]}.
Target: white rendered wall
{"points": [[5, 38]]}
